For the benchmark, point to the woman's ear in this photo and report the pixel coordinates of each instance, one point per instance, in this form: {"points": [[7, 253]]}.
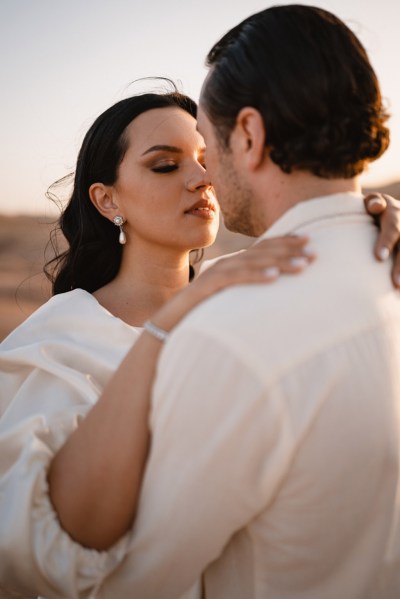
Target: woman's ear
{"points": [[249, 133], [102, 198]]}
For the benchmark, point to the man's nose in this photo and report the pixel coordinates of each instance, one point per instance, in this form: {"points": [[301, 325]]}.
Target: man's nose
{"points": [[198, 178]]}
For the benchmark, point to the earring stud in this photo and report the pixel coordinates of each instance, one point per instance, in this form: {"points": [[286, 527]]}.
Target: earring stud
{"points": [[119, 221]]}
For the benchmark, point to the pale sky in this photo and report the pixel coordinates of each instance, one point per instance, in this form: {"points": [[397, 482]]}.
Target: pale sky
{"points": [[63, 63]]}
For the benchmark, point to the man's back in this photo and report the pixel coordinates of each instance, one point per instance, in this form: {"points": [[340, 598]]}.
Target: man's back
{"points": [[275, 457], [329, 344]]}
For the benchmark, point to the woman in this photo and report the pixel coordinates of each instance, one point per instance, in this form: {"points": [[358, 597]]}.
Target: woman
{"points": [[141, 202], [140, 179]]}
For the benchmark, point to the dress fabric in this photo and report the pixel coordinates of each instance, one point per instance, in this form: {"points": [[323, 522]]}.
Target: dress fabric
{"points": [[52, 370], [274, 464]]}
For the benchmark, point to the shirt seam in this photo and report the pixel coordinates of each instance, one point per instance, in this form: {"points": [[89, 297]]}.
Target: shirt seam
{"points": [[230, 343]]}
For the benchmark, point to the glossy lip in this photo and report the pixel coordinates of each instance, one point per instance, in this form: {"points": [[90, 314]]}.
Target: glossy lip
{"points": [[202, 203]]}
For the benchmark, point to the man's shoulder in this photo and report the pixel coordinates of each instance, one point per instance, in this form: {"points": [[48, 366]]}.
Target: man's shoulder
{"points": [[345, 291]]}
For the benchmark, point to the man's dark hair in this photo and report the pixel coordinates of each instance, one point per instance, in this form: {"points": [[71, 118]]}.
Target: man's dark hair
{"points": [[311, 80]]}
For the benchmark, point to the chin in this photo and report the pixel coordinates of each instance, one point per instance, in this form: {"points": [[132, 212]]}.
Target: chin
{"points": [[209, 242], [210, 236], [201, 236], [204, 241], [241, 226], [207, 235]]}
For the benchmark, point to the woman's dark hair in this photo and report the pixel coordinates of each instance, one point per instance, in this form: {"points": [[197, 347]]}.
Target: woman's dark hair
{"points": [[311, 80], [94, 255]]}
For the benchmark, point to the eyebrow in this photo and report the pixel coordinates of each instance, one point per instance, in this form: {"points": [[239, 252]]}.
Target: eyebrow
{"points": [[164, 149]]}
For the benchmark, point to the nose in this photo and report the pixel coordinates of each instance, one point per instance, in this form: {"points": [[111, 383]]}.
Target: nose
{"points": [[197, 178]]}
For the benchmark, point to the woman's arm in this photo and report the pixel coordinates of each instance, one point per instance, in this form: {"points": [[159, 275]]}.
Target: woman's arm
{"points": [[95, 478]]}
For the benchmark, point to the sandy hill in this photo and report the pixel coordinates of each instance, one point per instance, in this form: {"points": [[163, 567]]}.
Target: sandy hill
{"points": [[23, 240], [23, 287]]}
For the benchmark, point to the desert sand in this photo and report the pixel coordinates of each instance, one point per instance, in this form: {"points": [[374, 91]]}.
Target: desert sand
{"points": [[23, 287]]}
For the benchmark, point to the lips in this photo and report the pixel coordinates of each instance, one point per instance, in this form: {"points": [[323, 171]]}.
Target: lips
{"points": [[203, 208]]}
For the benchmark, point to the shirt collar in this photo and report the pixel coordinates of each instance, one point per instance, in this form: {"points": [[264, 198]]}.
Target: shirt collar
{"points": [[338, 204]]}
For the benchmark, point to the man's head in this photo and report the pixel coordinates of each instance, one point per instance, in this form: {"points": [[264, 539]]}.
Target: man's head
{"points": [[310, 81]]}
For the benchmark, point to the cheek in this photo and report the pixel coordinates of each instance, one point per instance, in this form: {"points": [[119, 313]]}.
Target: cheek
{"points": [[160, 197], [213, 167], [165, 202], [218, 185], [156, 212]]}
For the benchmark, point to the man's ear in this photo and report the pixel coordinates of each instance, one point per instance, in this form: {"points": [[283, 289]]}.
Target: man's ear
{"points": [[249, 133], [102, 198]]}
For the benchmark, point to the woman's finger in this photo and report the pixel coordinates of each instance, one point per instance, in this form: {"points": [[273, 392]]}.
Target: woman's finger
{"points": [[389, 225], [282, 247], [388, 211], [375, 203], [256, 270]]}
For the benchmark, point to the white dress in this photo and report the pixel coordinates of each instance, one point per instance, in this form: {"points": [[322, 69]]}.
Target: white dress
{"points": [[52, 370]]}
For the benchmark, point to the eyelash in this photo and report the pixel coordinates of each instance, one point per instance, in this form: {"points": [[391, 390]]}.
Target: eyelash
{"points": [[168, 168]]}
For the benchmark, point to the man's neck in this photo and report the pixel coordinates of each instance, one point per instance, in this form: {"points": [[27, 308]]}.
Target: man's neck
{"points": [[278, 192]]}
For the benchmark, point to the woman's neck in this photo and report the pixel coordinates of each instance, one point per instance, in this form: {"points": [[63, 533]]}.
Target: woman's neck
{"points": [[145, 281]]}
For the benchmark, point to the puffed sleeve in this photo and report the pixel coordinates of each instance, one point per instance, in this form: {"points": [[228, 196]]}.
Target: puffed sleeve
{"points": [[46, 389]]}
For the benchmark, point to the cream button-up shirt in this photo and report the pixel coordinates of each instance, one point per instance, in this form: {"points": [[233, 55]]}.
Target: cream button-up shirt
{"points": [[274, 466]]}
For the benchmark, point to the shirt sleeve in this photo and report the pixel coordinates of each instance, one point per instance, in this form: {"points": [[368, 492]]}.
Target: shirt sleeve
{"points": [[221, 444], [43, 400]]}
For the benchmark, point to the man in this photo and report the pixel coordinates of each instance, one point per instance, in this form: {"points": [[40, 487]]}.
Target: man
{"points": [[274, 469]]}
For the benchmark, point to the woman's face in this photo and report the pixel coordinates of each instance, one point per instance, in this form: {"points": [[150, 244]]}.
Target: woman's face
{"points": [[162, 189]]}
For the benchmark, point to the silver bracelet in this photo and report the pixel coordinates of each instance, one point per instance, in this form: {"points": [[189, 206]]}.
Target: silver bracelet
{"points": [[154, 330]]}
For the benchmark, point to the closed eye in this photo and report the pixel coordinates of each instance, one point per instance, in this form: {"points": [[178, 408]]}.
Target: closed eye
{"points": [[167, 168]]}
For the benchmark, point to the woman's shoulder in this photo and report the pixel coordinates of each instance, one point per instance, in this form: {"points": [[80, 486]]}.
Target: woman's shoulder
{"points": [[70, 344], [74, 315], [48, 318]]}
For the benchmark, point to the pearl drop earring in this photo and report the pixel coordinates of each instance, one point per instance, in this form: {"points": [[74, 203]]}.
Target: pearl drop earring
{"points": [[119, 221]]}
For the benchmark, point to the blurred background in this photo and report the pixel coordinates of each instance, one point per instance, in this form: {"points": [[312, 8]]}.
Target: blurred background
{"points": [[64, 63]]}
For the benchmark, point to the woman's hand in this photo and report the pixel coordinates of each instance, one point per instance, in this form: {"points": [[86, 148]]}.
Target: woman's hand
{"points": [[261, 263], [387, 211]]}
